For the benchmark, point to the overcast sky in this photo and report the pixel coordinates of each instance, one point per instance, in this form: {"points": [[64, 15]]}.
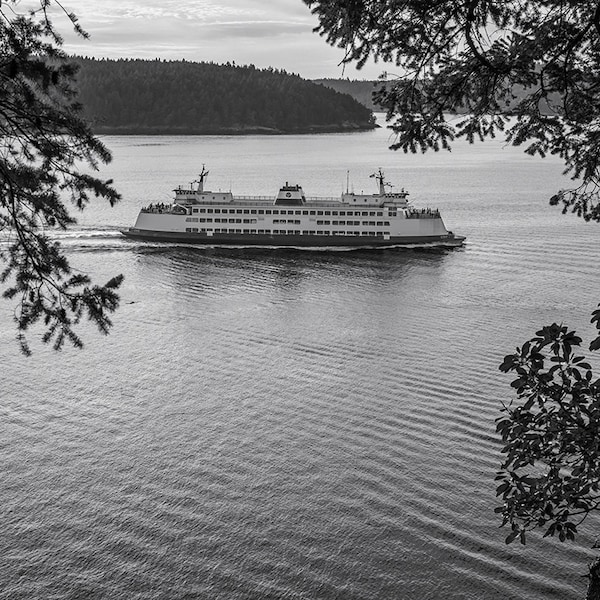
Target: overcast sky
{"points": [[275, 33]]}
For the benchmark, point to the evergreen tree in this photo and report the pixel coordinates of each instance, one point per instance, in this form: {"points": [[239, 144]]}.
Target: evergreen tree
{"points": [[44, 140], [538, 60]]}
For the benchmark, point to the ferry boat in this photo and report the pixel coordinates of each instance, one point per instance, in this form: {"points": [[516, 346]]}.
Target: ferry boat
{"points": [[383, 219]]}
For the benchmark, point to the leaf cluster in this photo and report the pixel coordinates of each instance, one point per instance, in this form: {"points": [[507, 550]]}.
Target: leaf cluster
{"points": [[526, 69], [44, 143], [550, 476]]}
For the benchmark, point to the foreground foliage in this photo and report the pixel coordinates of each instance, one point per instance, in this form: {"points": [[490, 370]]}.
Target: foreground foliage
{"points": [[538, 60], [44, 144], [550, 477]]}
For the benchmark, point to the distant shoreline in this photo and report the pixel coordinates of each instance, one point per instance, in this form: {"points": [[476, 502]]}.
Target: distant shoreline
{"points": [[350, 128]]}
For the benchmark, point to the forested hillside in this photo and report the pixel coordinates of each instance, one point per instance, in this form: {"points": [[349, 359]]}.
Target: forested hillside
{"points": [[178, 97]]}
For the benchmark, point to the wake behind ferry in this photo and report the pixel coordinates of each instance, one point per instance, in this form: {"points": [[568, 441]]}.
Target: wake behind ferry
{"points": [[383, 219]]}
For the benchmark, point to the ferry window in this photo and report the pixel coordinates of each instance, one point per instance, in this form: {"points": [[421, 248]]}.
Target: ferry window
{"points": [[326, 233], [246, 211], [304, 212], [195, 210], [261, 212], [335, 222], [253, 231], [194, 229], [343, 213], [201, 210], [253, 211], [276, 212], [268, 212], [334, 212], [327, 212], [392, 214], [239, 211], [310, 232], [202, 220], [365, 213], [298, 212], [319, 212], [261, 231], [268, 231], [312, 212], [209, 210], [380, 214], [372, 214], [246, 231], [188, 229], [232, 220], [253, 221], [217, 210], [238, 220], [379, 223], [371, 233], [386, 223]]}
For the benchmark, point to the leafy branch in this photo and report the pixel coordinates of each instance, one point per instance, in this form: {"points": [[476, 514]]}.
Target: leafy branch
{"points": [[550, 477], [44, 141]]}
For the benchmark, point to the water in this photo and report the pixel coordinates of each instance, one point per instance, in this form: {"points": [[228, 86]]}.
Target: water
{"points": [[292, 424]]}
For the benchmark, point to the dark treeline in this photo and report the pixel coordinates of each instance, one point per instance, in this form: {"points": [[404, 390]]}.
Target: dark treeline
{"points": [[177, 97]]}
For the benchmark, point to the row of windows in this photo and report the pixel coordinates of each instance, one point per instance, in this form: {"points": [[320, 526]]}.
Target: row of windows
{"points": [[254, 211], [219, 220], [289, 232], [289, 221], [376, 223]]}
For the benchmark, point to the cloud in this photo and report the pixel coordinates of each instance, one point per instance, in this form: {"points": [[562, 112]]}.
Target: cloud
{"points": [[278, 33]]}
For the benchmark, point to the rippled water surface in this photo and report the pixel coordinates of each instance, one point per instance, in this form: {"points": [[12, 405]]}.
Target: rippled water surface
{"points": [[291, 424]]}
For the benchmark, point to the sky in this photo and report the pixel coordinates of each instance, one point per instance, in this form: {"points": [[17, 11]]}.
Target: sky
{"points": [[276, 33]]}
